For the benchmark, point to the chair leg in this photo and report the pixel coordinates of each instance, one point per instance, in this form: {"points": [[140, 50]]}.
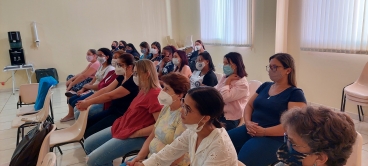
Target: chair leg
{"points": [[342, 107], [81, 143], [361, 110], [359, 113], [60, 150], [18, 132], [51, 111]]}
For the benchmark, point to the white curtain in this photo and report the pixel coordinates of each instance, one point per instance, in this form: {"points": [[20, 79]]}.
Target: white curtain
{"points": [[335, 26], [226, 22]]}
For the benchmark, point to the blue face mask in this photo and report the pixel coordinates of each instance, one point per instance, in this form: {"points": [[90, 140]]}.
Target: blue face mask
{"points": [[228, 70]]}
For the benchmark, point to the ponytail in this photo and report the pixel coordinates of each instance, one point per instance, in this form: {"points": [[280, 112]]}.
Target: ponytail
{"points": [[217, 123]]}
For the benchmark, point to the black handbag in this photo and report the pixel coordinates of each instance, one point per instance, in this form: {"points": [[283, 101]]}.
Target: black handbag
{"points": [[40, 73], [26, 153]]}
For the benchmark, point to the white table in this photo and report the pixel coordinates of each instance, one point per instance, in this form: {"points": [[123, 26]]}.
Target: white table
{"points": [[19, 67]]}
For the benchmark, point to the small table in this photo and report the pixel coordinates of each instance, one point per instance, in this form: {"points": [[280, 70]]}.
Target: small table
{"points": [[19, 67]]}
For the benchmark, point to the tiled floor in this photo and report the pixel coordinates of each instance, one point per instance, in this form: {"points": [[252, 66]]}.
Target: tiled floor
{"points": [[73, 153]]}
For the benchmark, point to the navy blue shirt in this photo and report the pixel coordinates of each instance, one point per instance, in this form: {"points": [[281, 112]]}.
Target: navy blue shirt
{"points": [[268, 109], [168, 68]]}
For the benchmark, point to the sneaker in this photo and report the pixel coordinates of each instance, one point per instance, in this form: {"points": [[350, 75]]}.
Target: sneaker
{"points": [[70, 93]]}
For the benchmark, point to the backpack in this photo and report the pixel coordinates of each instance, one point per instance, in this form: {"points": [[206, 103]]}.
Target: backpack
{"points": [[40, 73], [26, 152]]}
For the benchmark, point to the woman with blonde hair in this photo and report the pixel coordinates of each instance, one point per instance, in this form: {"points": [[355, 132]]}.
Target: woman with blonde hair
{"points": [[128, 132]]}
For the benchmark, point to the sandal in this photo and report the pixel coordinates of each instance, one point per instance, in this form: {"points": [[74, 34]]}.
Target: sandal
{"points": [[67, 119], [70, 93]]}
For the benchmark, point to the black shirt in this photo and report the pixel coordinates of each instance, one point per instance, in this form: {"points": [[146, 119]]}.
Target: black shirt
{"points": [[120, 105], [210, 79]]}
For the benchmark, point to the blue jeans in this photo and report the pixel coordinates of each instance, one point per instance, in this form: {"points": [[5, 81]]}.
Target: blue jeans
{"points": [[95, 109], [254, 151], [79, 86], [74, 99], [102, 149]]}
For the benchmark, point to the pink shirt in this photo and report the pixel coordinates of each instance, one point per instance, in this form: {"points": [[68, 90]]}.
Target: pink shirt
{"points": [[235, 95], [95, 65]]}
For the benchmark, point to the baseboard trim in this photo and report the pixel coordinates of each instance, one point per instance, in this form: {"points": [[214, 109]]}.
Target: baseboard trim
{"points": [[353, 115]]}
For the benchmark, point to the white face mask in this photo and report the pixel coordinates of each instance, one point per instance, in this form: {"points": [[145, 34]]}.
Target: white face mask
{"points": [[194, 127], [175, 61], [198, 47], [113, 62], [164, 98], [89, 58], [136, 80], [200, 65], [101, 60], [119, 70], [153, 51]]}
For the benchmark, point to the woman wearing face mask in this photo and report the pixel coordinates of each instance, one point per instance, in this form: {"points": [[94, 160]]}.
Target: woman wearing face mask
{"points": [[131, 50], [204, 75], [234, 89], [122, 45], [145, 50], [166, 66], [180, 61], [198, 49], [168, 125], [262, 133], [306, 141], [109, 83], [105, 59], [114, 46], [75, 83], [156, 53], [121, 96], [128, 132], [206, 141]]}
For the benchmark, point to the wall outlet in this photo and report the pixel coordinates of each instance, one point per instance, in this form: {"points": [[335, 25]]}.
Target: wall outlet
{"points": [[2, 83]]}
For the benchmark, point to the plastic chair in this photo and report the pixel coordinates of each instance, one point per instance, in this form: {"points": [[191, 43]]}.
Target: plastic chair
{"points": [[253, 86], [173, 43], [31, 120], [357, 92], [71, 134], [356, 156], [219, 76], [189, 41], [49, 160], [45, 147], [27, 94]]}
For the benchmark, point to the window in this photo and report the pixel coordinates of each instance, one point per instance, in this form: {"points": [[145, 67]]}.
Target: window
{"points": [[226, 22], [335, 26]]}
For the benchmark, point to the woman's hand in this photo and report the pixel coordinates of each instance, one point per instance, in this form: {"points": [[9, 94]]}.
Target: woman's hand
{"points": [[135, 160], [82, 105], [80, 92], [232, 77], [138, 164], [68, 82], [254, 130], [87, 86]]}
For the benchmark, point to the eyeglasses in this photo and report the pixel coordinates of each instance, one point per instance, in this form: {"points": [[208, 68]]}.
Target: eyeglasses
{"points": [[291, 146], [273, 68], [100, 55], [185, 107]]}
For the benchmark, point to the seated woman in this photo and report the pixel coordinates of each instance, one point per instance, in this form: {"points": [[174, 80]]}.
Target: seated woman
{"points": [[156, 52], [168, 125], [316, 136], [109, 83], [131, 50], [145, 50], [105, 58], [204, 75], [74, 83], [122, 45], [121, 95], [180, 60], [198, 49], [114, 46], [262, 133], [128, 132], [206, 141], [166, 66], [233, 87]]}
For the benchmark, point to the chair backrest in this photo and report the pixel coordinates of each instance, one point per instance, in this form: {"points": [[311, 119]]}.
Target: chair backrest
{"points": [[219, 76], [44, 112], [45, 147], [356, 156], [363, 78], [28, 93], [189, 41], [253, 86], [49, 160], [79, 127], [173, 42], [188, 50]]}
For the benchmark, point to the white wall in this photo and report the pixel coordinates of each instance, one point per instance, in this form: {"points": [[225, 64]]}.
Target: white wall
{"points": [[68, 28]]}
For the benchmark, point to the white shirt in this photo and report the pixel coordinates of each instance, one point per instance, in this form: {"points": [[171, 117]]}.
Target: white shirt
{"points": [[196, 80], [101, 73], [215, 149]]}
